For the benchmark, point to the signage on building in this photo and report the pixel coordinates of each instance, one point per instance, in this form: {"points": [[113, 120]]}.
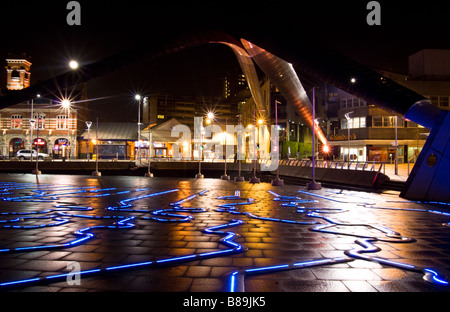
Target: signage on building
{"points": [[61, 142], [39, 142]]}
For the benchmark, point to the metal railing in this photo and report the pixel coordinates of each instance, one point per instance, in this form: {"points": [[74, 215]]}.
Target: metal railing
{"points": [[337, 164]]}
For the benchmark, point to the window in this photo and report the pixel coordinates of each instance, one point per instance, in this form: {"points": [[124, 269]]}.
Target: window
{"points": [[40, 122], [377, 121], [387, 122], [61, 122], [16, 122], [353, 123]]}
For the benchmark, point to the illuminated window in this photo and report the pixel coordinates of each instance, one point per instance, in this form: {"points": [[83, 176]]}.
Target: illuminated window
{"points": [[387, 122], [353, 123], [40, 122], [62, 122], [16, 122]]}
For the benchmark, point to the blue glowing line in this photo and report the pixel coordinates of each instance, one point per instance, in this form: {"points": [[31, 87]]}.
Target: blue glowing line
{"points": [[127, 266], [435, 277], [269, 268], [227, 239], [21, 281]]}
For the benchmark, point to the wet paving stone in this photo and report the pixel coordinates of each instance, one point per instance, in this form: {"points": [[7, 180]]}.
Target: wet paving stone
{"points": [[133, 234]]}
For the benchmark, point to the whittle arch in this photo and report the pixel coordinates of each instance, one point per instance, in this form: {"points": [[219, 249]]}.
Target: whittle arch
{"points": [[429, 180]]}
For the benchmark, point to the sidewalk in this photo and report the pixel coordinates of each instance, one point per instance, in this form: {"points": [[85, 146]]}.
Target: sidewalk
{"points": [[402, 172]]}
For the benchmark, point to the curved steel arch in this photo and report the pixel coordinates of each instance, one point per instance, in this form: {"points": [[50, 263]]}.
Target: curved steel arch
{"points": [[291, 87], [312, 58]]}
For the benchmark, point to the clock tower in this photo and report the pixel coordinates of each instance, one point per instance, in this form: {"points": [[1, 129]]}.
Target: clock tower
{"points": [[18, 74]]}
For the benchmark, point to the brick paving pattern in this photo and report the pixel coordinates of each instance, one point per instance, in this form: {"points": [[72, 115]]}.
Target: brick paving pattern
{"points": [[266, 242]]}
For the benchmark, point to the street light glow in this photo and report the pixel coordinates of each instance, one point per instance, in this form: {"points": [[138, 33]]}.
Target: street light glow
{"points": [[73, 64], [65, 103], [353, 80], [326, 149], [210, 115], [260, 121], [137, 97]]}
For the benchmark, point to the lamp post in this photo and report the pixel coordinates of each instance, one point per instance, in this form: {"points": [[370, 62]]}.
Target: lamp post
{"points": [[66, 105], [347, 116], [88, 124], [96, 173], [138, 98], [254, 179], [225, 176], [37, 171], [396, 147], [239, 178], [314, 185], [32, 121], [199, 175], [277, 181], [149, 174]]}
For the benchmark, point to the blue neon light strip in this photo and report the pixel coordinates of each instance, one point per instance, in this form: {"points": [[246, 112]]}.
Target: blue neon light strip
{"points": [[227, 239]]}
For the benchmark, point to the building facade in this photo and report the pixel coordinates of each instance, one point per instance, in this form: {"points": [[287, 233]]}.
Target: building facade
{"points": [[42, 124], [366, 132], [369, 134]]}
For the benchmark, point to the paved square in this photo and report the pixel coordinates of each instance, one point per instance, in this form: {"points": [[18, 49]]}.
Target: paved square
{"points": [[164, 234]]}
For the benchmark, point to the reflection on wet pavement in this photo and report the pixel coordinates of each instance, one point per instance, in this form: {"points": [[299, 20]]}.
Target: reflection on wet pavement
{"points": [[164, 234]]}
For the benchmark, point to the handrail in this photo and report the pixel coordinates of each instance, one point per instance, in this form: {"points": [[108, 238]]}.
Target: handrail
{"points": [[337, 164]]}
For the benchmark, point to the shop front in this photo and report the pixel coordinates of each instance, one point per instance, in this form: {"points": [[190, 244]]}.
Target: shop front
{"points": [[40, 145], [61, 148], [15, 145]]}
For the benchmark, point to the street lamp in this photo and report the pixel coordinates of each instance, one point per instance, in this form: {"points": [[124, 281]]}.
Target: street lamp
{"points": [[347, 116], [149, 174], [137, 97], [225, 176], [239, 178], [314, 185], [88, 124], [73, 64], [199, 175], [66, 105], [96, 173], [32, 122], [277, 181], [254, 179]]}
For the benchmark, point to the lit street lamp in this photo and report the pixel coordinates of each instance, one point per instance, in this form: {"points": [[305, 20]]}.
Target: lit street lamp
{"points": [[347, 116], [66, 105], [225, 176], [32, 122], [73, 64], [255, 179], [314, 185], [88, 124], [277, 181], [149, 174], [137, 97], [239, 178], [96, 173]]}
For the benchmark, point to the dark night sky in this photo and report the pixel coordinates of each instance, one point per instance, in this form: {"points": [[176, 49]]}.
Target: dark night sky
{"points": [[39, 29]]}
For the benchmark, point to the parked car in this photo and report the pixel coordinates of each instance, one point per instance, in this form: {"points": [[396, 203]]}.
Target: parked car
{"points": [[26, 154]]}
